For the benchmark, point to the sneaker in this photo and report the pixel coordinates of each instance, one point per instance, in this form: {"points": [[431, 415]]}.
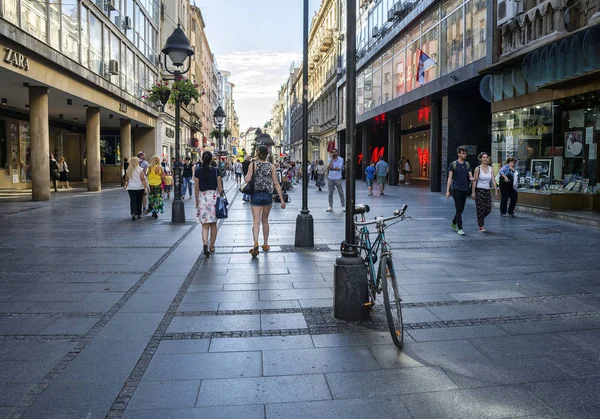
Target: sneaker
{"points": [[329, 209], [503, 215], [512, 215], [343, 209], [454, 226], [461, 232], [482, 229]]}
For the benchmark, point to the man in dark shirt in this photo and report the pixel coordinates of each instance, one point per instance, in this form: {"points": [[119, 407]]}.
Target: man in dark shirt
{"points": [[459, 178], [188, 172], [245, 166]]}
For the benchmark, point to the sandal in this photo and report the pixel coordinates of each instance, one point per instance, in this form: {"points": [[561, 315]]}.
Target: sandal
{"points": [[205, 249], [254, 250], [212, 250], [266, 247]]}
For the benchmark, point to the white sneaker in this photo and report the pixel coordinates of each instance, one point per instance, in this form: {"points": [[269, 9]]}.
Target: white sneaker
{"points": [[461, 232], [344, 209], [329, 209]]}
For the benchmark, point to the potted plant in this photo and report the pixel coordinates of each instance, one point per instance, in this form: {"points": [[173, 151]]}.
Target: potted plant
{"points": [[184, 90], [159, 92]]}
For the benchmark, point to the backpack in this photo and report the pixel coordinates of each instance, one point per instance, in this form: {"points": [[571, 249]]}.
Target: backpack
{"points": [[466, 162]]}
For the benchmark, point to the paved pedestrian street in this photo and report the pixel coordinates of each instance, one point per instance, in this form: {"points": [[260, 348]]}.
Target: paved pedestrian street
{"points": [[102, 316]]}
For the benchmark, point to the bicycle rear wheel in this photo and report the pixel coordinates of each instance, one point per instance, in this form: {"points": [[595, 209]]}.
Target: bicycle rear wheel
{"points": [[391, 300]]}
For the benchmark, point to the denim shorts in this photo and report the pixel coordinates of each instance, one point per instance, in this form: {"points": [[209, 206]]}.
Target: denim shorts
{"points": [[370, 182], [261, 199]]}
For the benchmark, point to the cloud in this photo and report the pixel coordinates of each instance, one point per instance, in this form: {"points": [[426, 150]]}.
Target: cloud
{"points": [[258, 76]]}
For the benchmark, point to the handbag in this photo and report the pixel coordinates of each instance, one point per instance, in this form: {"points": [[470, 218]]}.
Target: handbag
{"points": [[221, 207], [248, 187], [401, 177]]}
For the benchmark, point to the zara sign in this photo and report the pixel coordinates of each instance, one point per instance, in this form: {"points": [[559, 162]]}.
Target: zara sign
{"points": [[16, 59]]}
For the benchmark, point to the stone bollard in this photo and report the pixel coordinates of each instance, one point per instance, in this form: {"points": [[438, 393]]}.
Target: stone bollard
{"points": [[350, 288]]}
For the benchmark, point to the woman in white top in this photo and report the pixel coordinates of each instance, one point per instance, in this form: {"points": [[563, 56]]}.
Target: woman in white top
{"points": [[136, 184], [63, 172], [483, 180], [407, 172]]}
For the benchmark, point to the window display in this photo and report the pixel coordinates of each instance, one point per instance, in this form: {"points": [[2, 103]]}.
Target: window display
{"points": [[554, 142]]}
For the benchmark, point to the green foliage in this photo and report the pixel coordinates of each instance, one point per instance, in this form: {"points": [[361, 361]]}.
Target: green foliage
{"points": [[153, 93], [184, 90]]}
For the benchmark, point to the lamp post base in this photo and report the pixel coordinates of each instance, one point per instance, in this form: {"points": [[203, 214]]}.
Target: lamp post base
{"points": [[178, 211], [350, 288], [305, 236]]}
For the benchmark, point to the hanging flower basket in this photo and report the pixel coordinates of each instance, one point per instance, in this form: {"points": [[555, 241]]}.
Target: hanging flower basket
{"points": [[184, 90], [158, 93]]}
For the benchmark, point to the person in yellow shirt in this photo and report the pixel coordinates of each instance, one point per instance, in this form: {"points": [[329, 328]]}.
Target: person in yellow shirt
{"points": [[168, 183], [156, 176]]}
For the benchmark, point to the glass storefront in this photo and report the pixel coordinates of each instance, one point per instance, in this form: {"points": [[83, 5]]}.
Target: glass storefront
{"points": [[555, 144], [452, 33], [414, 141]]}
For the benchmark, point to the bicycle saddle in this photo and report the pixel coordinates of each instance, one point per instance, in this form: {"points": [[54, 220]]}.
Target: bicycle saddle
{"points": [[361, 209]]}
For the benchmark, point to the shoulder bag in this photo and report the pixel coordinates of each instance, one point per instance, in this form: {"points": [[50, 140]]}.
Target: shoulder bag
{"points": [[221, 206], [248, 187]]}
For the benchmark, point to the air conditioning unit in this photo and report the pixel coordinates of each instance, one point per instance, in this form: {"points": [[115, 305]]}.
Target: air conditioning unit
{"points": [[398, 9], [127, 23], [375, 33], [391, 15], [113, 67], [110, 5], [506, 10]]}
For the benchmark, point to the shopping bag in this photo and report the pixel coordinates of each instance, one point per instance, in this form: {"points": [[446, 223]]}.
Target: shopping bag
{"points": [[221, 207]]}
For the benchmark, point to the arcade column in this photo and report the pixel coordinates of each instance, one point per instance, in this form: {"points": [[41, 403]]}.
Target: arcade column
{"points": [[93, 149], [40, 143]]}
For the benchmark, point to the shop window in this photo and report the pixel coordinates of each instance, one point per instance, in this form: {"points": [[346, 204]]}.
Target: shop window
{"points": [[110, 149], [10, 11], [398, 64], [33, 18]]}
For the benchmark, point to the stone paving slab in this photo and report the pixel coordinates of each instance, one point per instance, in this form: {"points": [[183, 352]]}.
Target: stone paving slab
{"points": [[391, 408], [221, 412], [262, 390]]}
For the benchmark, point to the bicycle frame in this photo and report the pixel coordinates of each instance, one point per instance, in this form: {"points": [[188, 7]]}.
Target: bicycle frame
{"points": [[372, 249]]}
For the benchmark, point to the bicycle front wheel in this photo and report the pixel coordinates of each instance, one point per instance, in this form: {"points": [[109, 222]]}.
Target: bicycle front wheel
{"points": [[391, 300]]}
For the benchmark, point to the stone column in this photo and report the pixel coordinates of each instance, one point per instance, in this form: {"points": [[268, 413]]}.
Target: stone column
{"points": [[93, 149], [125, 140], [435, 182], [392, 155], [40, 143]]}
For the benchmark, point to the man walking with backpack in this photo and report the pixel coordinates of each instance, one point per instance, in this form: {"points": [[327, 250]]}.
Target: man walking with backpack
{"points": [[459, 179]]}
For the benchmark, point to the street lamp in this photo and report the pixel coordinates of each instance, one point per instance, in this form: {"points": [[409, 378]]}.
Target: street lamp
{"points": [[219, 116], [179, 50]]}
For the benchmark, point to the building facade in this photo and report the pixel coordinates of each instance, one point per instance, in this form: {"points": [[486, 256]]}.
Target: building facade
{"points": [[421, 119], [73, 75], [322, 78], [544, 91]]}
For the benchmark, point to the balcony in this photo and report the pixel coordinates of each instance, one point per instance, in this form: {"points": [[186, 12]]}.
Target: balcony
{"points": [[316, 58], [326, 41]]}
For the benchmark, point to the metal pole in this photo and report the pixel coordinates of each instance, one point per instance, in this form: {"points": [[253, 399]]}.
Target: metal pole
{"points": [[304, 221], [177, 208], [350, 118]]}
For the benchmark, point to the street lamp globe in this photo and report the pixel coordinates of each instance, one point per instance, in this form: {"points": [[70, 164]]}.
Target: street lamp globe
{"points": [[178, 47], [219, 115]]}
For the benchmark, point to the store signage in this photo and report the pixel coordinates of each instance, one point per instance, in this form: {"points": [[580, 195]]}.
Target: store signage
{"points": [[170, 132], [122, 107], [16, 59], [423, 156], [424, 114], [377, 152]]}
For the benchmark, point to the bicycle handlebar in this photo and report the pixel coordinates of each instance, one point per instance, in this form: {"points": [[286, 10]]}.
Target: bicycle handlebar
{"points": [[399, 213]]}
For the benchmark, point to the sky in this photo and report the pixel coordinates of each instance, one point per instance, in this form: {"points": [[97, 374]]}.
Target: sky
{"points": [[256, 41]]}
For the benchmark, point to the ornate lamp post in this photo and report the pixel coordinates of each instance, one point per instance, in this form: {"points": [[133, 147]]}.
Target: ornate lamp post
{"points": [[219, 116], [179, 50]]}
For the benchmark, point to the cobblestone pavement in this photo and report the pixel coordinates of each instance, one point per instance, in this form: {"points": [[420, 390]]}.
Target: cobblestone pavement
{"points": [[101, 316]]}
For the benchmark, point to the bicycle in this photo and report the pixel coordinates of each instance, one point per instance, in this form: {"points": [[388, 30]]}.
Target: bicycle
{"points": [[383, 280]]}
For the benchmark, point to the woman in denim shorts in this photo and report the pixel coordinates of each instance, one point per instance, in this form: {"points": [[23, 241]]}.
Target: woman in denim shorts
{"points": [[261, 200]]}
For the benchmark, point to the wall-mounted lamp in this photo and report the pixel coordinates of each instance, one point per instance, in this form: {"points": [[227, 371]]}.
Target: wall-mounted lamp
{"points": [[74, 119], [110, 116], [27, 106], [86, 106], [4, 101], [69, 101], [60, 116]]}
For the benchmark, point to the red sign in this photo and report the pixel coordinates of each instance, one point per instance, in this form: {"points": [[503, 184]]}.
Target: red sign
{"points": [[377, 152], [424, 114]]}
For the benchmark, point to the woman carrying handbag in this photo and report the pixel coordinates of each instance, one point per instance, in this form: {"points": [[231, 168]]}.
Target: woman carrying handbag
{"points": [[208, 186]]}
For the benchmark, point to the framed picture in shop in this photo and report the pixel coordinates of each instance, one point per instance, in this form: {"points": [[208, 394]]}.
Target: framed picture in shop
{"points": [[574, 144], [541, 168]]}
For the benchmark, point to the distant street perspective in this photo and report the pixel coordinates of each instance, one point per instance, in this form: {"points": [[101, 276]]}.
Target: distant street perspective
{"points": [[299, 209]]}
